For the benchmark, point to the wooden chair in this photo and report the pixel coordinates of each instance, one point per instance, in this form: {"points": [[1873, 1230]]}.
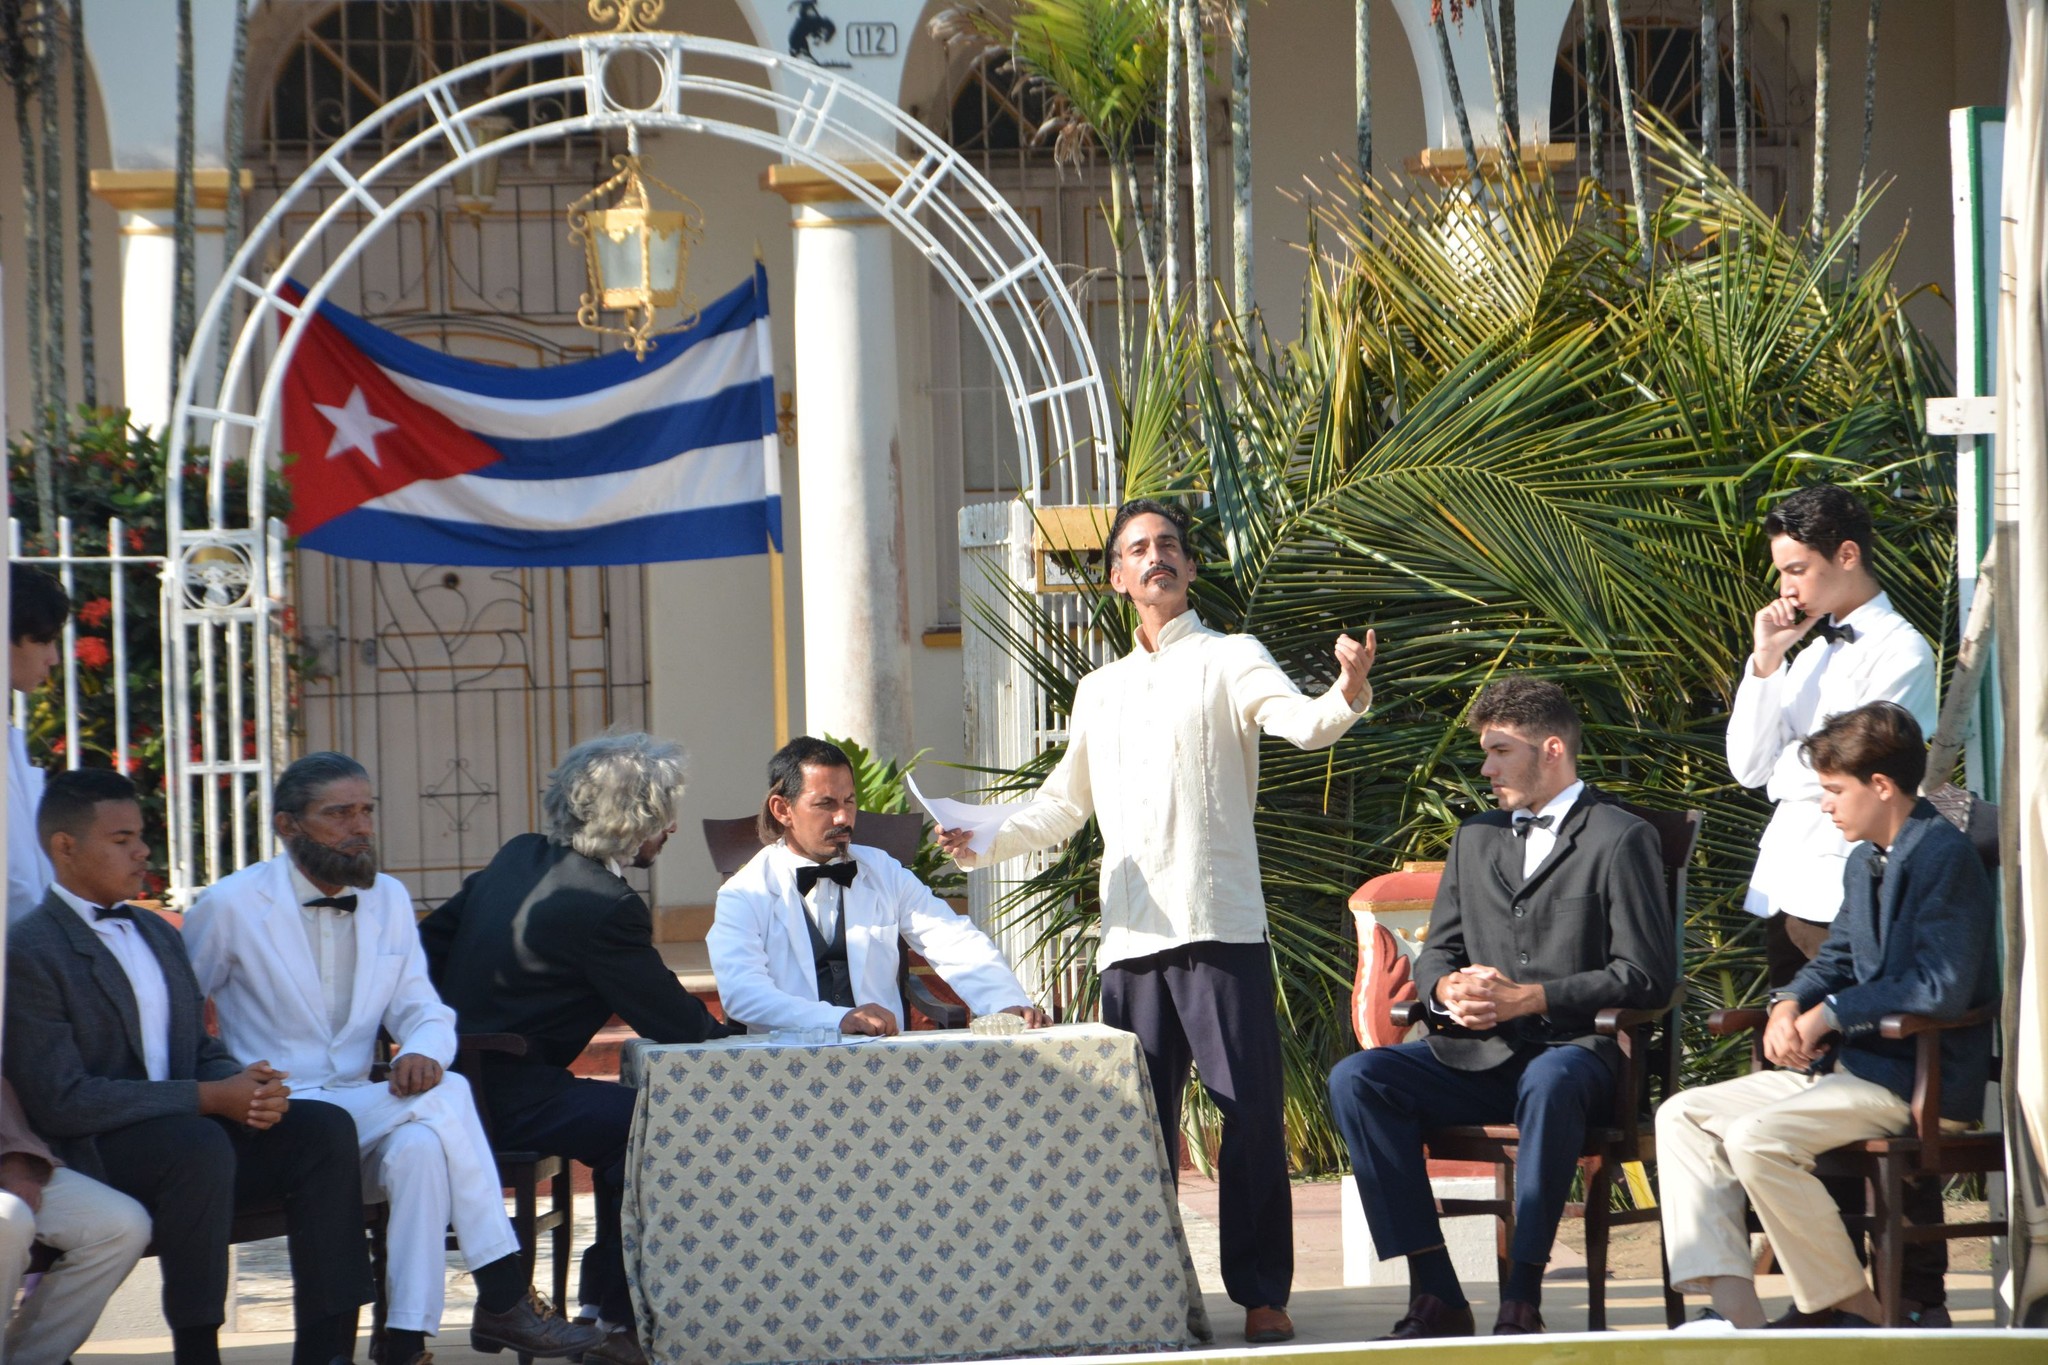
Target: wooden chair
{"points": [[1885, 1164], [733, 843], [1648, 1040]]}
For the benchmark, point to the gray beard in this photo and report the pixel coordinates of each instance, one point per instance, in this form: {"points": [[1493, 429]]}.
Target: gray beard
{"points": [[328, 867]]}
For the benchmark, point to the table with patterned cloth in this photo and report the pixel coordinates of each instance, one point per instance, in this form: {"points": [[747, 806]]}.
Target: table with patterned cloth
{"points": [[934, 1196]]}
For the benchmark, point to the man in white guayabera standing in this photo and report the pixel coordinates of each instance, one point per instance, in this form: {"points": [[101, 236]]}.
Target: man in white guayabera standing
{"points": [[306, 956], [1163, 749], [1858, 650]]}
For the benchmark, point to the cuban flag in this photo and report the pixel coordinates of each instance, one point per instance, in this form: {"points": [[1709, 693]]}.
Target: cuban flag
{"points": [[402, 454]]}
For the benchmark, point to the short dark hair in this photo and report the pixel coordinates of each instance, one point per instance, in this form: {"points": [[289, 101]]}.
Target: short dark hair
{"points": [[1879, 737], [298, 784], [36, 605], [1140, 507], [1823, 517], [1530, 707], [69, 799], [786, 775]]}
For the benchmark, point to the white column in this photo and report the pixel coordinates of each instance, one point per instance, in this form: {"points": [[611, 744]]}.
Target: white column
{"points": [[1539, 29], [856, 592], [149, 263]]}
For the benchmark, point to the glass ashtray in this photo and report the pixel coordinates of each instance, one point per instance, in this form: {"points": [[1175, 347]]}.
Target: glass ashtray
{"points": [[996, 1025]]}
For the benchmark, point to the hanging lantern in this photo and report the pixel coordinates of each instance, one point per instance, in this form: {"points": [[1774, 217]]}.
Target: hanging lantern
{"points": [[637, 255], [476, 188]]}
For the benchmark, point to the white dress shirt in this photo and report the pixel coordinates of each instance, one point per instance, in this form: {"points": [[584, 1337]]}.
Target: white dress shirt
{"points": [[145, 977], [28, 869], [331, 935], [1538, 842], [823, 903], [1163, 749], [1801, 857]]}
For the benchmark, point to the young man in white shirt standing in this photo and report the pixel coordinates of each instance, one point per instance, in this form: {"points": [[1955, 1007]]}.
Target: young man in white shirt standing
{"points": [[1163, 749], [1822, 545], [36, 610]]}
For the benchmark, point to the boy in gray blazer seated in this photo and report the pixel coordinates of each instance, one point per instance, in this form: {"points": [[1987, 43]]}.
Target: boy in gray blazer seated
{"points": [[1914, 937]]}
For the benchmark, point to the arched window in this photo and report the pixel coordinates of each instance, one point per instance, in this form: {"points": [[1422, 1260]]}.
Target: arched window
{"points": [[1664, 60], [359, 56]]}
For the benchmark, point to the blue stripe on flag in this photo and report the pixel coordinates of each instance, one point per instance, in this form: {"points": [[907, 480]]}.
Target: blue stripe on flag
{"points": [[698, 533], [736, 309], [742, 412]]}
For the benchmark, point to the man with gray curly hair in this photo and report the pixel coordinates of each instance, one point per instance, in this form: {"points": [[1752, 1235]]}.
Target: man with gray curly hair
{"points": [[550, 942]]}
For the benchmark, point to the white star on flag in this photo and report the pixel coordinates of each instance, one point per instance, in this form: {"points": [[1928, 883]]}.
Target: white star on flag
{"points": [[355, 427]]}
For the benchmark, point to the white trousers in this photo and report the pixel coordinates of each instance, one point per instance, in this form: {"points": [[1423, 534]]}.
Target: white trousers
{"points": [[1753, 1140], [427, 1155], [101, 1233]]}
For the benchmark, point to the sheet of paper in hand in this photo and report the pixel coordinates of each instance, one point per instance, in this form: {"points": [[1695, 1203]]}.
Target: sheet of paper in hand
{"points": [[981, 822]]}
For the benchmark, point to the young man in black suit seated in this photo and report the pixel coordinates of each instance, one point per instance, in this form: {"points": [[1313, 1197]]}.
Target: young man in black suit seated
{"points": [[1915, 936], [550, 942], [107, 1047], [1551, 909]]}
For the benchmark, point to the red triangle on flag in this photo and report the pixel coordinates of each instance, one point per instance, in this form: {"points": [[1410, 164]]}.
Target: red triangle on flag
{"points": [[351, 434]]}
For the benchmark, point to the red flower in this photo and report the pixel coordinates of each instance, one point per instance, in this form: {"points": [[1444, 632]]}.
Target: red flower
{"points": [[135, 541], [95, 612], [93, 652]]}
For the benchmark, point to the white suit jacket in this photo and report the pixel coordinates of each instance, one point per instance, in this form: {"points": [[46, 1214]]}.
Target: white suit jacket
{"points": [[248, 945], [767, 974]]}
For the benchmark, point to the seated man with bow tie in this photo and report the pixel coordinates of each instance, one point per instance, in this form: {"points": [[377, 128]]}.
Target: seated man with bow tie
{"points": [[106, 1046], [806, 933], [1551, 909], [306, 957]]}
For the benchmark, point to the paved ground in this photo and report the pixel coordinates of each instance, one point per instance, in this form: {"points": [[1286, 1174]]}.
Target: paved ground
{"points": [[1325, 1313]]}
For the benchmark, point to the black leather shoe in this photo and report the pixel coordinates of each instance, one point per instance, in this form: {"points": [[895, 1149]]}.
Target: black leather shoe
{"points": [[1429, 1316], [532, 1328], [1928, 1316], [1826, 1317], [1518, 1319]]}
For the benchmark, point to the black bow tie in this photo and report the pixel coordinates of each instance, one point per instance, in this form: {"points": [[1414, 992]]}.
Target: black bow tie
{"points": [[807, 876], [1529, 822], [1834, 634], [122, 911], [346, 904]]}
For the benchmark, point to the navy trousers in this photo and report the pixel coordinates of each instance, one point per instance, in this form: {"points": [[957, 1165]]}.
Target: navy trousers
{"points": [[1211, 1004], [1385, 1098], [588, 1121]]}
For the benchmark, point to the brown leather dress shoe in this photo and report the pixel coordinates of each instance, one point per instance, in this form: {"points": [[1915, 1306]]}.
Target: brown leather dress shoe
{"points": [[1429, 1316], [532, 1328], [1265, 1325], [619, 1347], [1517, 1319]]}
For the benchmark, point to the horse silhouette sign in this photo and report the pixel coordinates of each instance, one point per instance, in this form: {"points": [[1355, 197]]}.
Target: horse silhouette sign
{"points": [[811, 27]]}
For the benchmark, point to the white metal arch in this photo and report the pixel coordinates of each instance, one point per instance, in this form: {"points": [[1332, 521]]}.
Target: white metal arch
{"points": [[225, 584]]}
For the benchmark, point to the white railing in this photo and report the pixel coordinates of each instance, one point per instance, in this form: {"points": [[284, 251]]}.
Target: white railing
{"points": [[1010, 718], [103, 588]]}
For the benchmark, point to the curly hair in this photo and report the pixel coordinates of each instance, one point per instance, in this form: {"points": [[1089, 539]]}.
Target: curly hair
{"points": [[613, 793]]}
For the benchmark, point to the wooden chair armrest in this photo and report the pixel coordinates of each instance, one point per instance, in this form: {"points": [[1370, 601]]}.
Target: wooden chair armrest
{"points": [[1613, 1022], [1721, 1023], [1906, 1025], [944, 1013], [509, 1044], [1405, 1013]]}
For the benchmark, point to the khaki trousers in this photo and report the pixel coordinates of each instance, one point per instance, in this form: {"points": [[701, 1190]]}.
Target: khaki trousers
{"points": [[1753, 1140]]}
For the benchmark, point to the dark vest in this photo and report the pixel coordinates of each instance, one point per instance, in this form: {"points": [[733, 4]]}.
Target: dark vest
{"points": [[835, 980]]}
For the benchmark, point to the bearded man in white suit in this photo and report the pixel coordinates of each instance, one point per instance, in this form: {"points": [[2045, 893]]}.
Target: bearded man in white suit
{"points": [[806, 933], [306, 956]]}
